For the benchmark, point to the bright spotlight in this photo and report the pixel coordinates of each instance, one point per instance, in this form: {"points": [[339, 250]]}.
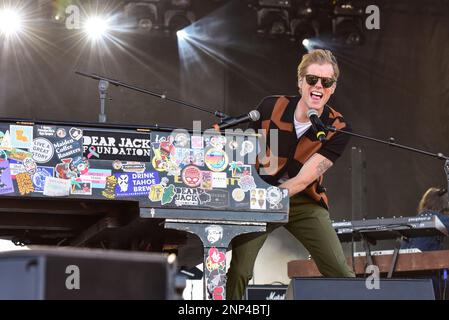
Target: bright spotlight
{"points": [[306, 42], [10, 22], [181, 34], [96, 27]]}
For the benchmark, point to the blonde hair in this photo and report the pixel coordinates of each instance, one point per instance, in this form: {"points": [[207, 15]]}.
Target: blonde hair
{"points": [[434, 199], [318, 56]]}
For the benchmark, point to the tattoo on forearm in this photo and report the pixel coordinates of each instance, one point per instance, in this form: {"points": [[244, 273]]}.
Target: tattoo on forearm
{"points": [[323, 166]]}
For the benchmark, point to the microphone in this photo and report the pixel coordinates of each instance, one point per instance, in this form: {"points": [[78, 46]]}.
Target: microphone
{"points": [[253, 115], [317, 125]]}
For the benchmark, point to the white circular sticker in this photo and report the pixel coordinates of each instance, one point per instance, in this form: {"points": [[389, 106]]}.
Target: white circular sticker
{"points": [[238, 194], [43, 150]]}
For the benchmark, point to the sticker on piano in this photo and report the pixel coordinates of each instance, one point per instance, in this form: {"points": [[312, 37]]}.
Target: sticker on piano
{"points": [[167, 149], [247, 183], [191, 176], [30, 166], [238, 169], [19, 155], [172, 169], [218, 141], [247, 147], [216, 260], [79, 165], [76, 133], [21, 137], [158, 162], [216, 160], [24, 183], [206, 180], [219, 180], [6, 141], [135, 184], [109, 191], [3, 155], [186, 197], [182, 140], [39, 177], [61, 133], [107, 145], [42, 150], [197, 142], [169, 194], [16, 167], [116, 164], [81, 188], [238, 195], [97, 177], [55, 187], [217, 199], [233, 145], [204, 197], [274, 197], [133, 166], [68, 148], [45, 131], [156, 193], [216, 284], [214, 233], [6, 185], [258, 199], [63, 171]]}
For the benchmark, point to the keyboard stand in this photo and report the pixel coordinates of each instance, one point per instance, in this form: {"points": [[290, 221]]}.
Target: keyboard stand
{"points": [[394, 259]]}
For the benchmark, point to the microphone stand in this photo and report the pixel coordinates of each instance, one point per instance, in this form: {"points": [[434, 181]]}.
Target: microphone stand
{"points": [[218, 114], [103, 89], [391, 142]]}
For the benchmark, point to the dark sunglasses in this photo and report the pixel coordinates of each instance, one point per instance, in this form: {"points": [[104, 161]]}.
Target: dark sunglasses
{"points": [[326, 82]]}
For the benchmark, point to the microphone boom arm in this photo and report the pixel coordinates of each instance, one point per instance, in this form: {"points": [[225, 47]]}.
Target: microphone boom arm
{"points": [[391, 142], [117, 83]]}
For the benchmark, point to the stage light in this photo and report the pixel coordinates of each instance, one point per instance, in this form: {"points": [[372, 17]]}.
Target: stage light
{"points": [[181, 34], [96, 27], [272, 22], [273, 17], [303, 29], [176, 20], [144, 16], [347, 24], [306, 42], [11, 22], [178, 15]]}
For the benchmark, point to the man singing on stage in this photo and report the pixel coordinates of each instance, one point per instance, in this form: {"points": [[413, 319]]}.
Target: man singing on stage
{"points": [[305, 152]]}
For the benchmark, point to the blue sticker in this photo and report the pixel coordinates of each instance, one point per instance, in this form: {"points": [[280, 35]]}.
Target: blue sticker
{"points": [[22, 137], [135, 184], [39, 177]]}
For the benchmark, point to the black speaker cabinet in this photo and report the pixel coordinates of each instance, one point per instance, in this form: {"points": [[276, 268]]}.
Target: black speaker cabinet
{"points": [[357, 289], [85, 274]]}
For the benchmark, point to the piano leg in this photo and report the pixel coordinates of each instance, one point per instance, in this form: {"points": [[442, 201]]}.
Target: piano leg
{"points": [[215, 238]]}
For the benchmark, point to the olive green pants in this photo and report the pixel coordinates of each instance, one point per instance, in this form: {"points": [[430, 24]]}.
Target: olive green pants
{"points": [[311, 225]]}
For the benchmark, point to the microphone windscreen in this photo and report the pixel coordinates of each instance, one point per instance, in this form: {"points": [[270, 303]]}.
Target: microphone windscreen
{"points": [[312, 112], [254, 115]]}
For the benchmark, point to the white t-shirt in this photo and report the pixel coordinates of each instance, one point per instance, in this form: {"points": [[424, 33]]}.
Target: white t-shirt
{"points": [[301, 127]]}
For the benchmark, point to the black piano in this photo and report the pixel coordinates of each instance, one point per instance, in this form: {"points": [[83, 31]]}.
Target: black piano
{"points": [[133, 188]]}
